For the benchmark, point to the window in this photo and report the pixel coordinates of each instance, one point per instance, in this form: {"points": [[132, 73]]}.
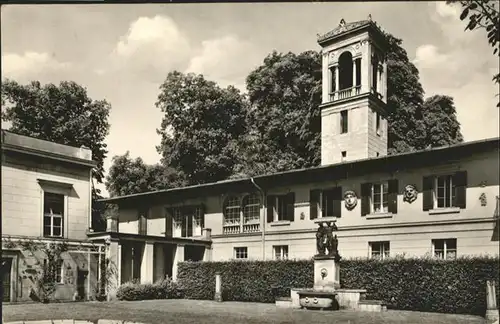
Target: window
{"points": [[358, 72], [445, 249], [344, 155], [280, 211], [281, 207], [241, 253], [232, 211], [380, 250], [374, 74], [242, 215], [444, 191], [188, 221], [377, 123], [379, 198], [53, 214], [197, 221], [325, 203], [343, 122], [251, 209], [280, 252]]}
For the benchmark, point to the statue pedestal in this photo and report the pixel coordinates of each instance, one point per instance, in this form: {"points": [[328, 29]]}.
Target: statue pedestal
{"points": [[326, 273]]}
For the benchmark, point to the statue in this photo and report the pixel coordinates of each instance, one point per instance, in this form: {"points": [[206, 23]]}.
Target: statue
{"points": [[325, 240], [320, 240]]}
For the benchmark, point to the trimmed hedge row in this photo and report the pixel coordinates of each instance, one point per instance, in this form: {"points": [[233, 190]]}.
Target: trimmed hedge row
{"points": [[425, 284], [163, 289]]}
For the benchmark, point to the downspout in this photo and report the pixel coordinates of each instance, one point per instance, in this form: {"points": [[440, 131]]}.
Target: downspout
{"points": [[91, 185], [264, 212]]}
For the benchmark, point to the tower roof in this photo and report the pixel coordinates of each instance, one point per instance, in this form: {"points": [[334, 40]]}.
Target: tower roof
{"points": [[345, 28]]}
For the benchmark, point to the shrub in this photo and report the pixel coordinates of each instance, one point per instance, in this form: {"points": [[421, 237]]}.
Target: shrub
{"points": [[162, 289], [425, 284]]}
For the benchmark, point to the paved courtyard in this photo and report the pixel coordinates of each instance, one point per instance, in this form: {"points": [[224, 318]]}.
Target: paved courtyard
{"points": [[201, 312]]}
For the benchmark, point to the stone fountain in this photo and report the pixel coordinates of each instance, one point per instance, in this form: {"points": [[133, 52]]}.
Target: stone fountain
{"points": [[326, 269], [326, 293]]}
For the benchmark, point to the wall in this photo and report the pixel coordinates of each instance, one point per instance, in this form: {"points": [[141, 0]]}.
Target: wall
{"points": [[22, 196], [409, 231]]}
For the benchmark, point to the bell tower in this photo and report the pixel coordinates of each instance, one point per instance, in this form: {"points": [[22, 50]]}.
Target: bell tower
{"points": [[354, 92]]}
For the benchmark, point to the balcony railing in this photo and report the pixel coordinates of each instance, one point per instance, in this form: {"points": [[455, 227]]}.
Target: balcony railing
{"points": [[345, 93], [241, 228]]}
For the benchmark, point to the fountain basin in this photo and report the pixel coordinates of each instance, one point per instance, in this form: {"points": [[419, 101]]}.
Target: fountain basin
{"points": [[314, 299]]}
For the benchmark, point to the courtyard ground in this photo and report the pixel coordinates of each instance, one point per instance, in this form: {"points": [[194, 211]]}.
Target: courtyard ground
{"points": [[209, 312]]}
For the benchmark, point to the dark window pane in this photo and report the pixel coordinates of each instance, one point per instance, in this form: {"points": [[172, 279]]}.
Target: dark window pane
{"points": [[57, 231], [57, 221]]}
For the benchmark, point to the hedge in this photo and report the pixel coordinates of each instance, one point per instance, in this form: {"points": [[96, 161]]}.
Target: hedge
{"points": [[423, 284], [163, 289]]}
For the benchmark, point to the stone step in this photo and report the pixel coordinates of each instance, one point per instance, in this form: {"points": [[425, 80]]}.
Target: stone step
{"points": [[368, 305]]}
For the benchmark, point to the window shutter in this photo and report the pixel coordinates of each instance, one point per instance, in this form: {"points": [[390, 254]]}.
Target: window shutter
{"points": [[202, 216], [427, 187], [366, 190], [184, 223], [337, 201], [189, 217], [313, 203], [392, 198], [460, 182], [290, 206], [143, 222], [168, 221], [271, 201]]}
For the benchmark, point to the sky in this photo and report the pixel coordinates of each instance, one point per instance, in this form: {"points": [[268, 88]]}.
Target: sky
{"points": [[123, 52]]}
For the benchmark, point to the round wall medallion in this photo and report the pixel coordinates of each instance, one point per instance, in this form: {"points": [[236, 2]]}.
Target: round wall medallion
{"points": [[324, 273]]}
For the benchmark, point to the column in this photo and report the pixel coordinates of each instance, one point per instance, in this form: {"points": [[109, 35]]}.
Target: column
{"points": [[337, 84], [179, 257], [218, 288], [325, 89], [159, 262], [492, 313], [147, 266], [353, 91], [113, 254], [207, 255]]}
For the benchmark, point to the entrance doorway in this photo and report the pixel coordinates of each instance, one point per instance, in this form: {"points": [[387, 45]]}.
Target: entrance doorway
{"points": [[6, 279]]}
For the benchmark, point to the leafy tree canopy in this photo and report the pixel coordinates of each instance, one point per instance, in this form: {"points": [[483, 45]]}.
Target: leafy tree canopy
{"points": [[200, 128], [483, 14], [63, 114], [128, 176]]}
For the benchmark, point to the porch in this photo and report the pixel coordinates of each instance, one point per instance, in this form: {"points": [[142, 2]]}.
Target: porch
{"points": [[148, 258]]}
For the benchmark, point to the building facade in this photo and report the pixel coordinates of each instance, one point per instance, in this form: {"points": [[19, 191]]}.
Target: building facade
{"points": [[46, 202], [440, 202]]}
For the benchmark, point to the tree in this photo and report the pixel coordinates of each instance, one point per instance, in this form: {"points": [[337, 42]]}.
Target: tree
{"points": [[483, 14], [201, 126], [405, 97], [439, 117], [128, 176], [285, 94], [63, 114]]}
